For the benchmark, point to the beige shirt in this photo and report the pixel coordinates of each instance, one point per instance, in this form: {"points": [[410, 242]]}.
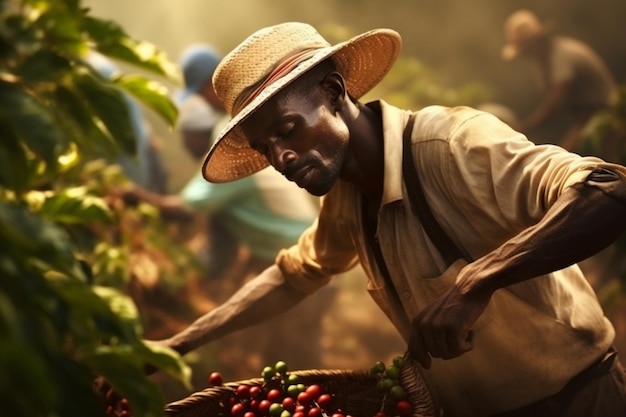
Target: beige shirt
{"points": [[485, 183]]}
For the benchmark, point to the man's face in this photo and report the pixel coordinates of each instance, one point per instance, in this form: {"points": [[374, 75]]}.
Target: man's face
{"points": [[302, 136]]}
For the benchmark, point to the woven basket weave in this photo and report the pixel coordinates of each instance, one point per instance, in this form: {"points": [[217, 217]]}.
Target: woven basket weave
{"points": [[354, 391]]}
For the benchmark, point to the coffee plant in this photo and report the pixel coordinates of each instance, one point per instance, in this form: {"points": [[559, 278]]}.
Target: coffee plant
{"points": [[62, 323]]}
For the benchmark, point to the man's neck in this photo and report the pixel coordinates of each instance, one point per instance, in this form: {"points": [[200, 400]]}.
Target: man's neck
{"points": [[365, 168]]}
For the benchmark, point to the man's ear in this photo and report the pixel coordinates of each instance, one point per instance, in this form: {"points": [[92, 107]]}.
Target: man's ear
{"points": [[335, 87]]}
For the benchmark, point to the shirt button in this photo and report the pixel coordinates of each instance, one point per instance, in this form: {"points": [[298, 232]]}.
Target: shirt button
{"points": [[407, 294]]}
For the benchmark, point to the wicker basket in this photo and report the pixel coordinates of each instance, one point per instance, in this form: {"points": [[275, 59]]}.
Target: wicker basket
{"points": [[354, 391]]}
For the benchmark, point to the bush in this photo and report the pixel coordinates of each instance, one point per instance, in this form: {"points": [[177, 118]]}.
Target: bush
{"points": [[62, 323]]}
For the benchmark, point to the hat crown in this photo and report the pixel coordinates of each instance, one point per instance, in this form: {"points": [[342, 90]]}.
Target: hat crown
{"points": [[258, 55]]}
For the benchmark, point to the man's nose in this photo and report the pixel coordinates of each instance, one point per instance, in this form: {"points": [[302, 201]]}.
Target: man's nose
{"points": [[281, 156]]}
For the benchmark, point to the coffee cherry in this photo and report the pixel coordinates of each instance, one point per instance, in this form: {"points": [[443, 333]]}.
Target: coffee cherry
{"points": [[243, 392], [281, 367], [274, 395], [305, 399], [215, 378], [276, 409], [314, 391], [268, 372], [293, 391], [314, 412], [386, 384], [403, 407], [237, 410], [398, 361], [325, 400], [392, 372], [255, 391], [264, 407], [397, 392], [377, 368], [289, 404]]}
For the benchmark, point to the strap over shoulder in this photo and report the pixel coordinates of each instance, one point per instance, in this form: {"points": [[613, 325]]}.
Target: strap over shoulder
{"points": [[419, 205]]}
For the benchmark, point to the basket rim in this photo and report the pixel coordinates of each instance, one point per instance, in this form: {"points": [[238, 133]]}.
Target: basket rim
{"points": [[417, 392]]}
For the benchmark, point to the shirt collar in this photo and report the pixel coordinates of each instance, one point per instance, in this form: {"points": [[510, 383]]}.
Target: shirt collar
{"points": [[394, 121]]}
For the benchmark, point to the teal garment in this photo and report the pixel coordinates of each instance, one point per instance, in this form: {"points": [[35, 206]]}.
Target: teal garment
{"points": [[264, 211]]}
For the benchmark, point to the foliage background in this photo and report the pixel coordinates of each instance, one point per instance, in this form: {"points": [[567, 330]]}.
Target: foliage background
{"points": [[65, 318], [458, 40], [72, 256]]}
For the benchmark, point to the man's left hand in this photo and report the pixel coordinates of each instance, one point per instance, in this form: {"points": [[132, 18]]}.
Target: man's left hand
{"points": [[444, 328]]}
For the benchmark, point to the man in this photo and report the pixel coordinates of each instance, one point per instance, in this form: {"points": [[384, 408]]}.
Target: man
{"points": [[513, 329], [574, 80], [248, 222]]}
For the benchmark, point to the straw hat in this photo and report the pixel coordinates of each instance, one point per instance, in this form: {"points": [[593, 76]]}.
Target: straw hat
{"points": [[270, 59], [520, 28]]}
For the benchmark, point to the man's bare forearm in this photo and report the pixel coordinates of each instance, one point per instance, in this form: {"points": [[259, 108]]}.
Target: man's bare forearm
{"points": [[261, 298]]}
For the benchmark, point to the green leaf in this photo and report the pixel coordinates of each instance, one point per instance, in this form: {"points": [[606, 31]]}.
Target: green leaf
{"points": [[73, 112], [21, 34], [60, 21], [37, 240], [25, 372], [169, 361], [44, 65], [31, 123], [76, 393], [151, 94], [92, 319], [111, 40], [110, 108], [123, 369], [75, 206], [122, 305], [14, 167]]}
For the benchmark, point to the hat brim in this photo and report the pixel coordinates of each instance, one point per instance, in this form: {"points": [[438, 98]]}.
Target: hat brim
{"points": [[363, 61]]}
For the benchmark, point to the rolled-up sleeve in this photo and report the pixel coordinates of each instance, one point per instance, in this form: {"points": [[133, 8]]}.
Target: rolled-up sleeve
{"points": [[325, 249], [492, 182], [609, 178]]}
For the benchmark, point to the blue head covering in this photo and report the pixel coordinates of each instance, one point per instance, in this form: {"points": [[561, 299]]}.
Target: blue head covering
{"points": [[198, 62]]}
